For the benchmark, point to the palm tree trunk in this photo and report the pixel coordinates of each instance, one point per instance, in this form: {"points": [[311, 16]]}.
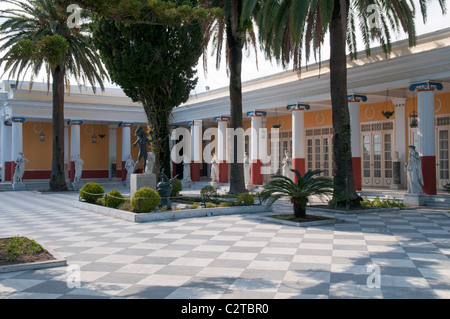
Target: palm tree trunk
{"points": [[299, 208], [235, 45], [58, 180], [343, 174]]}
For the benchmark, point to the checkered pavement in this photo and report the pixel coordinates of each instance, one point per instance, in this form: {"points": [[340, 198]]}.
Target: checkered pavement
{"points": [[235, 256]]}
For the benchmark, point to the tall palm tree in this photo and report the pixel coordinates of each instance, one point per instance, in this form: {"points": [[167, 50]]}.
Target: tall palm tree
{"points": [[37, 21], [235, 32], [291, 28]]}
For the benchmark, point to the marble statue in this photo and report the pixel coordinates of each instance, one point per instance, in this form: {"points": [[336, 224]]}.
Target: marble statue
{"points": [[413, 170], [247, 169], [142, 141], [214, 169], [150, 163], [286, 165], [78, 168], [20, 168], [186, 170], [129, 166]]}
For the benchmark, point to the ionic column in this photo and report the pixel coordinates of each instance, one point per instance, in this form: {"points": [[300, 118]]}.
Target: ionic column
{"points": [[7, 158], [126, 147], [75, 145], [298, 137], [354, 105], [256, 177], [222, 122], [426, 133], [173, 167], [196, 149]]}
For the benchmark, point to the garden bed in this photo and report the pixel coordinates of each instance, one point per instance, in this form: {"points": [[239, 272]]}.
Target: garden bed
{"points": [[170, 214], [21, 253], [309, 220]]}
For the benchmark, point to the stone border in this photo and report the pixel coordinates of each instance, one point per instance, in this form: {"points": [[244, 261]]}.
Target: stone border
{"points": [[170, 214], [57, 262], [348, 212], [304, 224]]}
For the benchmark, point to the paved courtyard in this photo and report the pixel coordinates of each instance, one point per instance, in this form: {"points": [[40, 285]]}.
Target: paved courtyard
{"points": [[403, 254]]}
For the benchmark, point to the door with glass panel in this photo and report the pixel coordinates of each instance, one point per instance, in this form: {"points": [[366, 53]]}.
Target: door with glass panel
{"points": [[442, 158], [377, 169], [318, 151]]}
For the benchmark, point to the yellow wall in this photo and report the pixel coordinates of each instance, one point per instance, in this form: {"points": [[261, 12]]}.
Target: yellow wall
{"points": [[38, 153], [95, 156]]}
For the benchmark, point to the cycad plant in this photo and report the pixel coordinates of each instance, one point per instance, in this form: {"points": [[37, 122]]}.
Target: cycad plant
{"points": [[35, 35], [310, 184]]}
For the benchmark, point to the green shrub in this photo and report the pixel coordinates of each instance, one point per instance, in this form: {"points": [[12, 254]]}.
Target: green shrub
{"points": [[126, 205], [226, 204], [91, 191], [245, 199], [210, 205], [206, 192], [177, 188], [113, 199], [193, 206], [145, 200], [100, 201], [18, 246]]}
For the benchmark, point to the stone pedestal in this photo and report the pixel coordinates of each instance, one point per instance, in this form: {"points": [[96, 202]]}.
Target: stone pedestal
{"points": [[250, 187], [186, 184], [140, 180], [414, 199], [77, 185], [396, 182], [215, 185], [19, 186]]}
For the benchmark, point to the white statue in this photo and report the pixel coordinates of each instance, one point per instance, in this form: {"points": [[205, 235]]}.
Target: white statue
{"points": [[287, 165], [20, 168], [129, 166], [247, 169], [414, 172], [78, 168], [214, 169], [186, 170], [150, 163]]}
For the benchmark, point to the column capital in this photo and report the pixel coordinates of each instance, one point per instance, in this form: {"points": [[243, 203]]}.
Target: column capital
{"points": [[426, 86], [256, 113], [298, 107], [194, 122], [18, 119], [126, 124], [222, 118], [356, 97], [7, 122], [75, 122]]}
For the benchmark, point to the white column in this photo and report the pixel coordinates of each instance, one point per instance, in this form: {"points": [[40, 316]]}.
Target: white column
{"points": [[112, 147], [196, 149], [126, 146], [400, 135], [17, 138], [6, 158], [354, 107], [222, 148], [75, 145], [256, 149]]}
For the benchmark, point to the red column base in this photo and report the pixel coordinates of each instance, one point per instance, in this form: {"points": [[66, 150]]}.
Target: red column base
{"points": [[256, 177], [223, 172], [72, 171], [429, 174], [195, 172], [356, 163], [9, 171], [299, 165]]}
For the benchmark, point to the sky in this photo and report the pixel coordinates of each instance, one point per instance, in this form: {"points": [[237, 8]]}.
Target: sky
{"points": [[215, 79]]}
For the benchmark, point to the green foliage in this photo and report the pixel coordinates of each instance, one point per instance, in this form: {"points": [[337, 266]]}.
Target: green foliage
{"points": [[113, 198], [126, 206], [384, 203], [207, 191], [91, 191], [145, 200], [210, 205], [193, 206], [226, 204], [17, 246], [53, 49], [177, 187], [245, 199], [307, 185]]}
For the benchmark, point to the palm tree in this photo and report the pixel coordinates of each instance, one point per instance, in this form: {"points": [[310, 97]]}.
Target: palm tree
{"points": [[291, 28], [298, 193], [38, 22], [237, 32]]}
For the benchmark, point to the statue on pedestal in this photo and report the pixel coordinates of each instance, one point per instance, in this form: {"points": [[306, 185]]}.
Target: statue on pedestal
{"points": [[129, 166], [78, 168], [287, 165], [186, 170], [142, 140], [214, 169], [413, 170], [247, 169], [150, 163]]}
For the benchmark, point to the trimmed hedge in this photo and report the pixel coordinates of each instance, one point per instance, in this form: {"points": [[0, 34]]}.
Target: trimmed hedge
{"points": [[145, 200], [91, 191], [114, 199]]}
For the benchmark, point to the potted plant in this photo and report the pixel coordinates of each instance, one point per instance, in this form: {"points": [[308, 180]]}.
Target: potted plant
{"points": [[310, 184]]}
